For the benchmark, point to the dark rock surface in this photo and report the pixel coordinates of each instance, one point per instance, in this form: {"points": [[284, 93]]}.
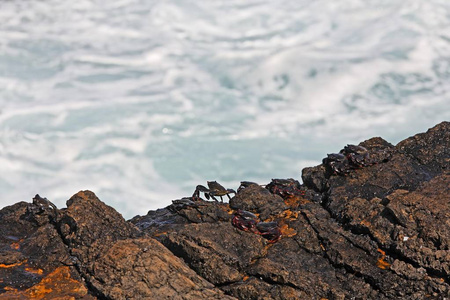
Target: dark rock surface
{"points": [[380, 232], [97, 252]]}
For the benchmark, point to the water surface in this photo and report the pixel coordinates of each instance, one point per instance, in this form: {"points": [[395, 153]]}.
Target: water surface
{"points": [[140, 101]]}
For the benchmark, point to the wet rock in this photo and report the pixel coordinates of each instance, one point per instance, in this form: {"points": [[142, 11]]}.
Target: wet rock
{"points": [[215, 256], [254, 288], [314, 178], [89, 251], [119, 262], [430, 149], [175, 217], [379, 231], [159, 221], [204, 212], [34, 262]]}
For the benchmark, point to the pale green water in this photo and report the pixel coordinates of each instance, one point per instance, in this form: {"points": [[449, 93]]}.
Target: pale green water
{"points": [[140, 101]]}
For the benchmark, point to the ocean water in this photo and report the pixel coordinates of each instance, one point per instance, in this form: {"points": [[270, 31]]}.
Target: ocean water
{"points": [[140, 101]]}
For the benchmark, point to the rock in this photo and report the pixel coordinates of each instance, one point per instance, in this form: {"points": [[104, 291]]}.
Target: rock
{"points": [[119, 262], [34, 261], [380, 232], [88, 251]]}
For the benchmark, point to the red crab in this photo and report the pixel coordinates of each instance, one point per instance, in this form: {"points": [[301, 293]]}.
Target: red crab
{"points": [[357, 156], [285, 187], [270, 231], [245, 220], [350, 158], [337, 163]]}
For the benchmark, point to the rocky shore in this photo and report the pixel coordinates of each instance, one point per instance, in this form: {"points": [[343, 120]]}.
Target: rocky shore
{"points": [[363, 225]]}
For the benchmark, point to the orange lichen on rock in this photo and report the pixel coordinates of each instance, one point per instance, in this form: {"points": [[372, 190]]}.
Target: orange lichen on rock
{"points": [[12, 265], [295, 201], [287, 231], [381, 263], [34, 271], [160, 233], [286, 214], [57, 285], [15, 246], [289, 214], [365, 223]]}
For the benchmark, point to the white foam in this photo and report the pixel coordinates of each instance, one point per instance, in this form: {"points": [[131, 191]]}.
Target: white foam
{"points": [[142, 101]]}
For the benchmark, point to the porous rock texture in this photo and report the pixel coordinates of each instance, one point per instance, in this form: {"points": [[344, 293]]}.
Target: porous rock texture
{"points": [[380, 232], [99, 253]]}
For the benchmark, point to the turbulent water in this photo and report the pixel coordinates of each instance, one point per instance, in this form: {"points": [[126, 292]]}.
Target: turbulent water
{"points": [[141, 100]]}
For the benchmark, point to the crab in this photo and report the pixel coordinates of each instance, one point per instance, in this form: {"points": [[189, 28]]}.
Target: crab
{"points": [[350, 158], [245, 184], [358, 156], [270, 231], [245, 220], [40, 205], [214, 189], [183, 203], [337, 163], [285, 187]]}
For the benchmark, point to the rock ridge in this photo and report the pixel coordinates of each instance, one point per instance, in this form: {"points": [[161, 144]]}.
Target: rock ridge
{"points": [[377, 229]]}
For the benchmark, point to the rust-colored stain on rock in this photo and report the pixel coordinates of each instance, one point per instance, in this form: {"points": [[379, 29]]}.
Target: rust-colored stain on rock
{"points": [[295, 201], [15, 246], [287, 231], [12, 265], [381, 263], [57, 285], [34, 271]]}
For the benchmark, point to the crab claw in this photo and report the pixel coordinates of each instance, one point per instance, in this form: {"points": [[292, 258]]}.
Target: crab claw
{"points": [[270, 231]]}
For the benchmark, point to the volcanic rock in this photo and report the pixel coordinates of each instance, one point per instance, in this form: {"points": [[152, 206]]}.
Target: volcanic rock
{"points": [[89, 251], [382, 231]]}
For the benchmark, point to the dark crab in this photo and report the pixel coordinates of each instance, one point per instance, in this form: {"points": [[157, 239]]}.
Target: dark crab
{"points": [[357, 156], [245, 184], [245, 220], [270, 231], [337, 163], [214, 189], [183, 203], [285, 187], [41, 205]]}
